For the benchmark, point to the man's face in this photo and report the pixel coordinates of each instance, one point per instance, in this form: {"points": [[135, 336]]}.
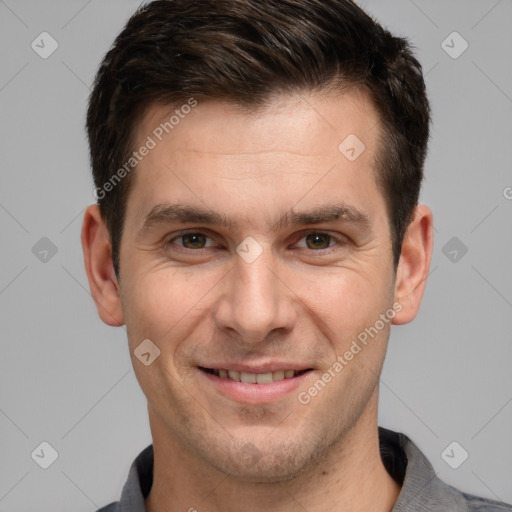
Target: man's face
{"points": [[269, 291]]}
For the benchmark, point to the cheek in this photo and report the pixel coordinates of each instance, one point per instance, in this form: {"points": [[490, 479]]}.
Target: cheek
{"points": [[164, 305], [161, 307], [347, 301]]}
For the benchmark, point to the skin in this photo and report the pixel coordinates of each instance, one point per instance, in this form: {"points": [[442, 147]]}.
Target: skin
{"points": [[302, 301]]}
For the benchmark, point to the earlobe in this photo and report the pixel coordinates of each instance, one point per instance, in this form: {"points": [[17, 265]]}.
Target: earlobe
{"points": [[414, 264], [103, 283]]}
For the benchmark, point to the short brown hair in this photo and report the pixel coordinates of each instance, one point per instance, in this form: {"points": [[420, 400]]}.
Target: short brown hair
{"points": [[243, 51]]}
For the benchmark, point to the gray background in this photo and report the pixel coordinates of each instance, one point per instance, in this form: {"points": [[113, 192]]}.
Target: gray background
{"points": [[67, 379]]}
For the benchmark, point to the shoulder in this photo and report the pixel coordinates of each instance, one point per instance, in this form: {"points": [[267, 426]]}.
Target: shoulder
{"points": [[137, 486], [479, 504], [422, 489], [112, 507]]}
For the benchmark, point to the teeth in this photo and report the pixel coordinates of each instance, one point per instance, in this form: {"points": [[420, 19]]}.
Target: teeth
{"points": [[279, 375], [264, 378], [255, 378], [248, 378], [234, 375]]}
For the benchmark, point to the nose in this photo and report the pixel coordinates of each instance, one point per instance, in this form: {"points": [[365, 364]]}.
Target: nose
{"points": [[255, 303]]}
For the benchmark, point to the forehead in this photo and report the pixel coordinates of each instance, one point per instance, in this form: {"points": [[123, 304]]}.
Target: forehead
{"points": [[216, 151], [307, 123]]}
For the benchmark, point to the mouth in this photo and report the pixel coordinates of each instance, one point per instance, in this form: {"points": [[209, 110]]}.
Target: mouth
{"points": [[262, 385], [254, 378]]}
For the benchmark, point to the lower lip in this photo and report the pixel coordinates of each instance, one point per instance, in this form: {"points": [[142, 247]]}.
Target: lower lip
{"points": [[255, 393]]}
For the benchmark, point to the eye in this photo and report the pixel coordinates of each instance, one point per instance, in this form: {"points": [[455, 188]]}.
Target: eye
{"points": [[318, 241], [194, 241], [191, 241]]}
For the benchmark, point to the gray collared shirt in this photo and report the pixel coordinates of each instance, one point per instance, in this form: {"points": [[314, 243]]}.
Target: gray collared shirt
{"points": [[422, 490]]}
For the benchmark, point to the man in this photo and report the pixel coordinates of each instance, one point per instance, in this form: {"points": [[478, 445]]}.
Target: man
{"points": [[257, 168]]}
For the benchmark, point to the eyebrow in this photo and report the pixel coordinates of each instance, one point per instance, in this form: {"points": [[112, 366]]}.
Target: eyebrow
{"points": [[167, 213]]}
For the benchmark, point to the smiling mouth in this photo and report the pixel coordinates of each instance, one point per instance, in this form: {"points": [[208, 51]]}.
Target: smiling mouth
{"points": [[254, 378]]}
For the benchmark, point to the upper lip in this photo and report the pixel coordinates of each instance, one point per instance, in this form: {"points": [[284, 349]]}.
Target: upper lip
{"points": [[256, 368]]}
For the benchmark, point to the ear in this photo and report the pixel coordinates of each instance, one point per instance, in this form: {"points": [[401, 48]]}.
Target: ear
{"points": [[103, 283], [414, 265]]}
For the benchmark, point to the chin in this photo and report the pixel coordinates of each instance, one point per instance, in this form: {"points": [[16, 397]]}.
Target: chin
{"points": [[266, 462]]}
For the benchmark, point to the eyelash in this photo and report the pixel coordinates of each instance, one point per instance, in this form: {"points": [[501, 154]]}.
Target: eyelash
{"points": [[339, 240]]}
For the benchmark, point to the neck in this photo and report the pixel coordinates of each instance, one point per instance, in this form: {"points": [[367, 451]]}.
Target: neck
{"points": [[351, 478]]}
